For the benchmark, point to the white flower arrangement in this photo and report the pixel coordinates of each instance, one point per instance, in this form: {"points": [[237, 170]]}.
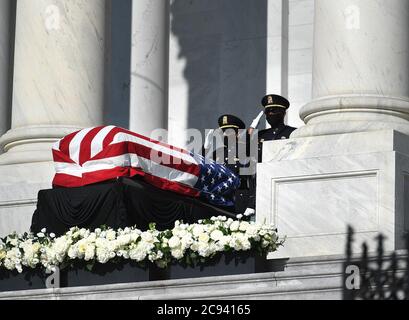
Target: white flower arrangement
{"points": [[190, 243]]}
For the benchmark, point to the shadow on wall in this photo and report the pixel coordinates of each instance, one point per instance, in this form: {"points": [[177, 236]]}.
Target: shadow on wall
{"points": [[225, 48]]}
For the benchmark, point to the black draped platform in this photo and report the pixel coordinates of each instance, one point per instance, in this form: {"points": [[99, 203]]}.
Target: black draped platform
{"points": [[117, 204]]}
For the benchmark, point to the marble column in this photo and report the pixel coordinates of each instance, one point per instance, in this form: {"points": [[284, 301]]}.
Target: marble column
{"points": [[361, 63], [5, 60], [149, 66], [58, 84], [58, 87]]}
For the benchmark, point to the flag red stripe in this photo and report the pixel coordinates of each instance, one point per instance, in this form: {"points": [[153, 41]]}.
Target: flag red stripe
{"points": [[58, 156], [65, 142], [66, 180]]}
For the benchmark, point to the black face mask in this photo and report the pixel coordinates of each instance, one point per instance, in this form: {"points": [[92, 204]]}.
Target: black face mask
{"points": [[275, 119]]}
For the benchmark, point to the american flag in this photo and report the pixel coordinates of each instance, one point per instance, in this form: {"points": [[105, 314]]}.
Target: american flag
{"points": [[103, 153]]}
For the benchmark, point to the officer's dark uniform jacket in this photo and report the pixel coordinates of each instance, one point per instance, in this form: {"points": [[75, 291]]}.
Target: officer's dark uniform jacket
{"points": [[245, 194], [279, 133]]}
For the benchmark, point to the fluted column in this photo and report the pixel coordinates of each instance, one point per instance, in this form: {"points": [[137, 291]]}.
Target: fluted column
{"points": [[361, 63], [149, 64], [5, 60], [58, 83]]}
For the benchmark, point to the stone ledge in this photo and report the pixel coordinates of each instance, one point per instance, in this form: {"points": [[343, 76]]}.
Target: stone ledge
{"points": [[313, 278]]}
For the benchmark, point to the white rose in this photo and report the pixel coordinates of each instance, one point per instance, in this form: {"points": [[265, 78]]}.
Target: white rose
{"points": [[137, 254], [134, 236], [89, 253], [177, 253], [235, 226], [186, 241], [244, 225], [204, 237], [182, 233], [204, 250], [174, 242], [111, 235], [197, 230], [216, 235], [252, 231], [147, 236], [224, 240]]}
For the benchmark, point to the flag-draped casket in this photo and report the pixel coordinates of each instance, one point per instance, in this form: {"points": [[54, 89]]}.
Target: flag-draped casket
{"points": [[98, 154]]}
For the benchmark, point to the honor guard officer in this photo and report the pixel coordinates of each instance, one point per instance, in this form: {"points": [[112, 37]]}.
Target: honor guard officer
{"points": [[275, 109], [228, 155]]}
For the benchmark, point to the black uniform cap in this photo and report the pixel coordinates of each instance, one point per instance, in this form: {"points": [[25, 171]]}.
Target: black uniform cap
{"points": [[228, 121], [275, 101]]}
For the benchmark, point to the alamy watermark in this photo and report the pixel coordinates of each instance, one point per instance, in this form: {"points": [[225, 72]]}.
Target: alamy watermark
{"points": [[53, 281], [353, 278], [224, 147]]}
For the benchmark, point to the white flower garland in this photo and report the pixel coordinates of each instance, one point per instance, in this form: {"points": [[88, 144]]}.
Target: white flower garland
{"points": [[187, 242]]}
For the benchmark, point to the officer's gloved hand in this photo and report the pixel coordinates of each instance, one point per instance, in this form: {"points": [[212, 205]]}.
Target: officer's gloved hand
{"points": [[249, 212], [209, 139], [256, 121]]}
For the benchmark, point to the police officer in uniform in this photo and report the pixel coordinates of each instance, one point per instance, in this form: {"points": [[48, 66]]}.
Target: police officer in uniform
{"points": [[275, 109], [228, 155]]}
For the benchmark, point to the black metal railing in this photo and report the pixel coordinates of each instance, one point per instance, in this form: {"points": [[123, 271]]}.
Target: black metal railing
{"points": [[382, 276]]}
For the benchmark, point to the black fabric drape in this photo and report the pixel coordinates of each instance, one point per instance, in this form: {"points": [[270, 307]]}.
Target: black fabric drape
{"points": [[146, 204], [89, 207], [124, 202]]}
